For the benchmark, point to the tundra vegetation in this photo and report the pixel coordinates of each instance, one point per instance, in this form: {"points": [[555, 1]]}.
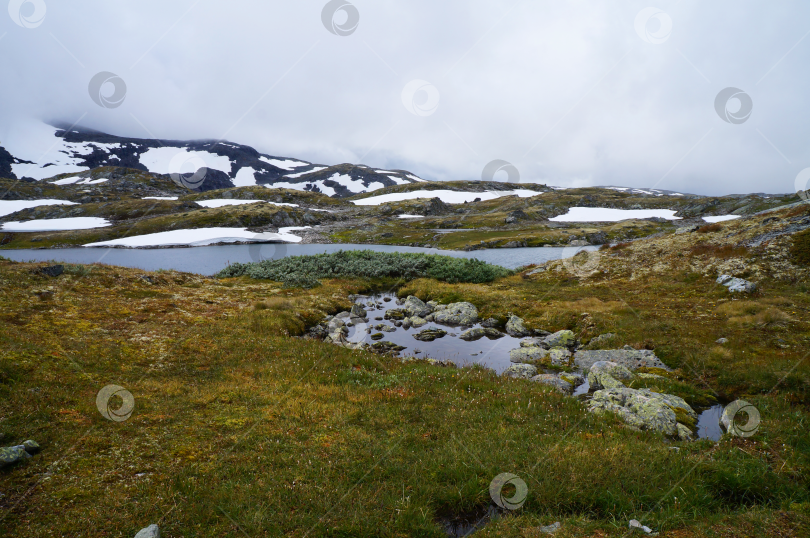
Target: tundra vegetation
{"points": [[241, 427]]}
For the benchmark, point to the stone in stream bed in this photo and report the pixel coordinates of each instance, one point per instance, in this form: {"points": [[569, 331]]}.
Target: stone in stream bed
{"points": [[429, 335], [396, 314], [386, 347], [358, 311], [516, 328], [457, 314], [415, 307], [385, 328], [479, 332], [646, 410], [414, 321], [377, 336]]}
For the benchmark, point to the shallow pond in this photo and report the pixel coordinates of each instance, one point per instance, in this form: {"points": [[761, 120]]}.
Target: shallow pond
{"points": [[211, 260], [493, 354]]}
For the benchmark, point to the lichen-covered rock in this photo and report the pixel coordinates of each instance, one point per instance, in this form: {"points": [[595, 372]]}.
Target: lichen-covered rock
{"points": [[677, 404], [637, 409], [386, 347], [574, 379], [520, 371], [533, 342], [31, 446], [415, 322], [736, 284], [608, 375], [480, 332], [559, 356], [554, 381], [377, 336], [13, 454], [516, 328], [528, 354], [601, 340], [415, 307], [384, 327], [395, 314], [489, 322], [429, 335], [358, 311], [684, 433], [563, 338], [457, 314], [632, 359]]}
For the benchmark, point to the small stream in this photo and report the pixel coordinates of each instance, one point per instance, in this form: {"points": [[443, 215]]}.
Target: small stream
{"points": [[493, 354]]}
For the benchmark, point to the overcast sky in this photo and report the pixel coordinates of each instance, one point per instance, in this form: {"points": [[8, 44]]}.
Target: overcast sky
{"points": [[571, 93]]}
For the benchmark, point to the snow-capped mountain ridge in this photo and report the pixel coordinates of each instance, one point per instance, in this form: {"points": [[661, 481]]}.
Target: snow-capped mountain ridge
{"points": [[41, 151]]}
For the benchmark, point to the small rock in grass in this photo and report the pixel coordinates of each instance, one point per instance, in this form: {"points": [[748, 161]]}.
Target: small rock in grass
{"points": [[550, 529], [635, 525], [521, 371], [721, 341], [52, 271], [13, 454], [553, 381], [152, 531]]}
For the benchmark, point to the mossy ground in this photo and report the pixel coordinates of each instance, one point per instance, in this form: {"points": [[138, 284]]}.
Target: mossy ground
{"points": [[240, 428]]}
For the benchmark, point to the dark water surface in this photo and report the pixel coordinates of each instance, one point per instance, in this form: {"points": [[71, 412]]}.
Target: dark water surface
{"points": [[212, 259]]}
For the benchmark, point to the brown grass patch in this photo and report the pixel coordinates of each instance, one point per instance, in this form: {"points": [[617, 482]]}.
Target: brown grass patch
{"points": [[709, 228], [718, 251]]}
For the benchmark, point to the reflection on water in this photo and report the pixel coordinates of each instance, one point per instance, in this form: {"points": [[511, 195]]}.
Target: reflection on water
{"points": [[210, 260], [708, 426]]}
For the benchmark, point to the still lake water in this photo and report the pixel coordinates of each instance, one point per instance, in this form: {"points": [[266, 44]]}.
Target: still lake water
{"points": [[211, 260]]}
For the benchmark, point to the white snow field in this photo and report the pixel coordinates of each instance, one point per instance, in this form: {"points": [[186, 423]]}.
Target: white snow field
{"points": [[35, 141], [449, 197], [7, 207], [287, 164], [411, 216], [602, 214], [294, 176], [160, 198], [56, 225], [245, 177], [223, 202], [80, 181], [721, 218], [202, 236], [157, 160]]}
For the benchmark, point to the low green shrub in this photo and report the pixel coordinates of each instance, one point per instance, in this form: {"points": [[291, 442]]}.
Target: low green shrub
{"points": [[303, 271], [801, 247]]}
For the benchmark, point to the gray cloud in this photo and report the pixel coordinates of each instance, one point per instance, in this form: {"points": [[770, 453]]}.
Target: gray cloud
{"points": [[567, 92]]}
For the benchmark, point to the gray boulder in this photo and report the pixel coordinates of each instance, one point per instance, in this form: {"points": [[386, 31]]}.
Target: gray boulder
{"points": [[561, 339], [528, 354], [639, 410], [554, 381], [600, 340], [358, 311], [489, 322], [429, 335], [520, 371], [608, 375], [457, 314], [415, 307], [632, 359], [516, 328], [415, 321], [152, 531], [13, 454], [736, 285], [480, 332]]}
